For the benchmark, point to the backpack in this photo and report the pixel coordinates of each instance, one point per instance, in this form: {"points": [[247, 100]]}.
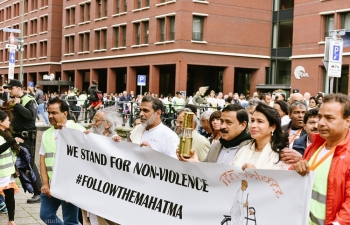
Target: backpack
{"points": [[99, 95], [72, 100]]}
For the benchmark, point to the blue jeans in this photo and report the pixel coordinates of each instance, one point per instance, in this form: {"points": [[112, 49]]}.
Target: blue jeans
{"points": [[41, 110], [48, 211]]}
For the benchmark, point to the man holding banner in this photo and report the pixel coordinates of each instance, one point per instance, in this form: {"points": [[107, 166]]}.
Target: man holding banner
{"points": [[58, 116], [234, 122], [152, 132], [328, 156]]}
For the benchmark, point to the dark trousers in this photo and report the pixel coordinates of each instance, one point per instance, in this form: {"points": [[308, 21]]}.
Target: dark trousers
{"points": [[28, 144]]}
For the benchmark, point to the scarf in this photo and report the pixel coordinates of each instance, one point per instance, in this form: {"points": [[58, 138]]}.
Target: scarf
{"points": [[235, 141], [7, 136]]}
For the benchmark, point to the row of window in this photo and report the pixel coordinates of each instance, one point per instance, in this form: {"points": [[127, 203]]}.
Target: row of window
{"points": [[29, 27], [101, 9], [330, 25], [30, 51], [165, 32], [13, 11]]}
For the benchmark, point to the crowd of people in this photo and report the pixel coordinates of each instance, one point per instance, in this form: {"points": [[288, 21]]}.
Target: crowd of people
{"points": [[266, 131]]}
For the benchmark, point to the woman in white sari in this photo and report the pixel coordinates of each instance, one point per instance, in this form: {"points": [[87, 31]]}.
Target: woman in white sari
{"points": [[267, 144]]}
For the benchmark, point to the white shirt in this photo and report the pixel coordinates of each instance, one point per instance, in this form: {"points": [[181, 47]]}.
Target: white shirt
{"points": [[291, 136], [226, 155], [41, 151], [285, 120], [162, 139]]}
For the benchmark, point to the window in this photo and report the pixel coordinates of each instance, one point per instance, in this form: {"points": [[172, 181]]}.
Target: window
{"points": [[197, 30], [70, 16], [161, 29], [34, 5], [141, 3], [116, 37], [43, 48], [1, 35], [25, 6], [282, 34], [32, 50], [15, 26], [33, 25], [25, 29], [84, 42], [44, 23], [8, 13], [329, 24], [120, 6], [280, 72], [166, 28], [123, 32], [141, 32], [101, 39], [345, 21], [69, 44], [2, 15], [1, 55], [25, 50], [125, 5], [282, 5], [145, 32], [16, 9], [101, 8], [85, 12], [172, 28], [137, 33], [44, 3]]}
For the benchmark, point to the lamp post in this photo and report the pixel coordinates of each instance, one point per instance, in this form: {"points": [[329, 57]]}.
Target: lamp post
{"points": [[22, 30]]}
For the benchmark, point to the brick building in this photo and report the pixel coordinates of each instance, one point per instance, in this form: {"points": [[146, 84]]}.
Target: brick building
{"points": [[240, 46]]}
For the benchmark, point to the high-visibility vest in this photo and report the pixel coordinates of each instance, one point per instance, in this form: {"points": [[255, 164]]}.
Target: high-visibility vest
{"points": [[7, 161], [26, 98], [319, 192], [49, 145]]}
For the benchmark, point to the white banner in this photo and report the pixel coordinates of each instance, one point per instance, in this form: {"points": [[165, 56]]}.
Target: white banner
{"points": [[131, 185]]}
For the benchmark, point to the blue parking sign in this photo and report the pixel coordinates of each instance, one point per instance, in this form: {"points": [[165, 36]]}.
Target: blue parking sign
{"points": [[336, 52], [141, 80]]}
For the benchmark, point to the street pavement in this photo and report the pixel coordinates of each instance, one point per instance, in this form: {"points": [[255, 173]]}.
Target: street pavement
{"points": [[29, 213]]}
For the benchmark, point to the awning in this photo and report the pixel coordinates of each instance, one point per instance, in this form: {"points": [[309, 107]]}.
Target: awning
{"points": [[56, 82], [273, 86]]}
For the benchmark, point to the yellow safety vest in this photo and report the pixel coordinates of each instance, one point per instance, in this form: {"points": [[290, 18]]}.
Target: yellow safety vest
{"points": [[49, 145], [319, 192], [7, 161], [26, 98]]}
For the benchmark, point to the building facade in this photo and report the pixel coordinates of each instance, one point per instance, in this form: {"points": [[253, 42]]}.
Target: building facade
{"points": [[180, 45]]}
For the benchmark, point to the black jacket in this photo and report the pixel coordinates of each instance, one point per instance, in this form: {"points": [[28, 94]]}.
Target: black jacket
{"points": [[24, 116]]}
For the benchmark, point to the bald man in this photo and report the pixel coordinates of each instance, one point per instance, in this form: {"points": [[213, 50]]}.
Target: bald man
{"points": [[295, 97]]}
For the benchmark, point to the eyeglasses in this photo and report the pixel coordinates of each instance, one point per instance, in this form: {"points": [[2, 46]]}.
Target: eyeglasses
{"points": [[96, 121], [312, 123]]}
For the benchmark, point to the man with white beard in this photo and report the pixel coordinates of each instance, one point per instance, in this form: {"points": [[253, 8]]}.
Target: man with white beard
{"points": [[104, 123], [152, 132]]}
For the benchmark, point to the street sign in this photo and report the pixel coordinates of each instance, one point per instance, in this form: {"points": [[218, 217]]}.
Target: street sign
{"points": [[19, 40], [141, 80], [335, 57], [334, 69], [10, 46], [12, 60], [7, 29]]}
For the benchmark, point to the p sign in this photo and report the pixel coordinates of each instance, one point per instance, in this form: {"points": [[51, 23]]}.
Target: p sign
{"points": [[336, 50], [141, 80]]}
